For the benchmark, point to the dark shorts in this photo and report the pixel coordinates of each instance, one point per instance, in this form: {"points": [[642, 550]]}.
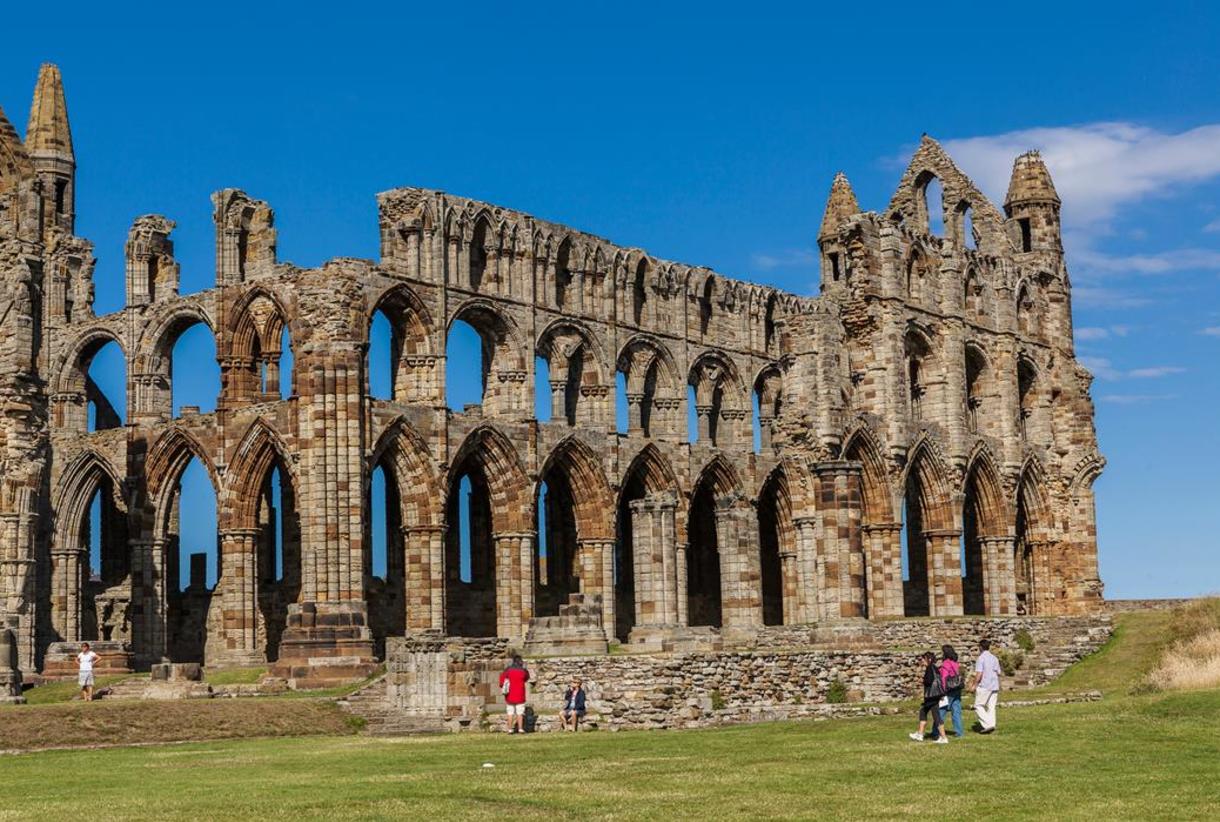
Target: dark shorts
{"points": [[930, 706]]}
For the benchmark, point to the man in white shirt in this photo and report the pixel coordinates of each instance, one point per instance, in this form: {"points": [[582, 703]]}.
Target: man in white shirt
{"points": [[85, 660], [986, 686]]}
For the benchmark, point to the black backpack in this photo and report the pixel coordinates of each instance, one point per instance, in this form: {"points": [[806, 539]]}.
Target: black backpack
{"points": [[936, 689], [954, 683]]}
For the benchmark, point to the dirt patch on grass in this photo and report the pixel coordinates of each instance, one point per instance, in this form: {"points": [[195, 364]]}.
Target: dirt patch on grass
{"points": [[24, 728]]}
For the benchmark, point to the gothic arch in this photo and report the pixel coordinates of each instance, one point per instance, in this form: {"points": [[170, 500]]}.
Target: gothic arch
{"points": [[491, 452], [167, 459], [405, 451], [864, 446], [261, 448], [591, 493], [413, 363]]}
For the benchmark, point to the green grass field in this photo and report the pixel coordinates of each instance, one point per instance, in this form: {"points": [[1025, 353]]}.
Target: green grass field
{"points": [[1130, 757]]}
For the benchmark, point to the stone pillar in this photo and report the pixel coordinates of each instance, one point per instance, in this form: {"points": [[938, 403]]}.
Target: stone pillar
{"points": [[148, 597], [999, 576], [425, 556], [67, 577], [595, 564], [704, 413], [806, 568], [635, 418], [791, 585], [238, 588], [514, 554], [944, 572], [740, 571], [883, 546], [680, 567], [840, 552], [764, 433], [655, 561]]}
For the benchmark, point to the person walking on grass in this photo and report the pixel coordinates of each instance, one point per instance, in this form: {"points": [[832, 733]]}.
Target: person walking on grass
{"points": [[85, 660], [933, 690], [952, 680], [986, 687], [512, 685]]}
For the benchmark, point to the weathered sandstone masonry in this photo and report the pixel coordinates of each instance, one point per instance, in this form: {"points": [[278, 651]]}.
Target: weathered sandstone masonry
{"points": [[931, 391]]}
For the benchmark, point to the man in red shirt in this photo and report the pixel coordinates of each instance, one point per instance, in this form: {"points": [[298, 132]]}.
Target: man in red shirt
{"points": [[512, 685]]}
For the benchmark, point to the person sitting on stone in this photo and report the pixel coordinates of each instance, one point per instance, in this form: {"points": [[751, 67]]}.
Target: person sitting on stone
{"points": [[85, 660], [573, 706]]}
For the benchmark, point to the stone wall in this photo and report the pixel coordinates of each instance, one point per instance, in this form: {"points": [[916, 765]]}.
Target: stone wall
{"points": [[457, 677]]}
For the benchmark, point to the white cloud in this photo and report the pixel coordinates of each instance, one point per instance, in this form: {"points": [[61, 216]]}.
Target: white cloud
{"points": [[1104, 369], [1161, 262], [1154, 372], [1092, 333], [1135, 399], [1213, 226], [1094, 296], [1098, 168], [788, 258], [1211, 331]]}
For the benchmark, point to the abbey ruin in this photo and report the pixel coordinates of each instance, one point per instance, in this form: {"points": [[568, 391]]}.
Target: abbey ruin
{"points": [[925, 438]]}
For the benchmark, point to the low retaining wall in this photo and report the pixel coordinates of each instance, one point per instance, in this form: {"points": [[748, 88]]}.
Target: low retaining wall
{"points": [[456, 679], [1120, 606]]}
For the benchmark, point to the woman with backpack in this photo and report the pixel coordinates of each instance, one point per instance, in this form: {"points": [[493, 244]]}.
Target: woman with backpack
{"points": [[933, 690], [952, 680]]}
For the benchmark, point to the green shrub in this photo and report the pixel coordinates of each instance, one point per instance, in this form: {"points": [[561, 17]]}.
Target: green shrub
{"points": [[717, 701], [1143, 687], [836, 694], [1010, 661], [1024, 640]]}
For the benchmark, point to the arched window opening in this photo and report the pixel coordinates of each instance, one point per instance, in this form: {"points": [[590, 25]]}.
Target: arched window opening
{"points": [[543, 401], [470, 568], [648, 402], [287, 364], [713, 416], [1027, 320], [382, 357], [972, 553], [555, 572], [563, 274], [385, 558], [692, 416], [639, 292], [621, 408], [1023, 553], [967, 236], [769, 341], [109, 563], [1026, 380], [917, 351], [464, 385], [703, 560], [775, 537], [106, 386], [934, 205], [766, 400], [278, 556], [705, 306], [756, 423], [196, 384], [915, 590], [192, 559], [478, 251], [976, 365]]}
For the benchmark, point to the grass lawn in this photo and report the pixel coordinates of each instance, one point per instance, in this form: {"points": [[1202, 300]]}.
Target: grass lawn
{"points": [[1131, 757]]}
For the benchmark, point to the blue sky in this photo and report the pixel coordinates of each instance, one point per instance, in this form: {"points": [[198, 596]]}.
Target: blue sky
{"points": [[708, 135]]}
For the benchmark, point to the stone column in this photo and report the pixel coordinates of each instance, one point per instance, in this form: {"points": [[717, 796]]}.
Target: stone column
{"points": [[704, 413], [148, 597], [655, 561], [790, 584], [764, 433], [238, 587], [67, 577], [558, 400], [595, 564], [884, 550], [424, 546], [514, 554], [635, 418], [999, 576], [807, 568], [840, 552], [944, 572], [740, 571]]}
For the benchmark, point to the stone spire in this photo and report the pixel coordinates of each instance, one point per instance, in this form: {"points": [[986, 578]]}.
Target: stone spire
{"points": [[1031, 182], [839, 206], [48, 134]]}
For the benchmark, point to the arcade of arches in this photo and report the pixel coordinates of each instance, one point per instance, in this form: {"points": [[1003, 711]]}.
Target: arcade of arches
{"points": [[917, 441]]}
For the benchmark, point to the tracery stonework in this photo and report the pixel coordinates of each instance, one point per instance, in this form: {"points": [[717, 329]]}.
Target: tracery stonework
{"points": [[931, 387]]}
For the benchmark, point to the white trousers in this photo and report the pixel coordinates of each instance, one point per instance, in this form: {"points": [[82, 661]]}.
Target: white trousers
{"points": [[985, 706]]}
